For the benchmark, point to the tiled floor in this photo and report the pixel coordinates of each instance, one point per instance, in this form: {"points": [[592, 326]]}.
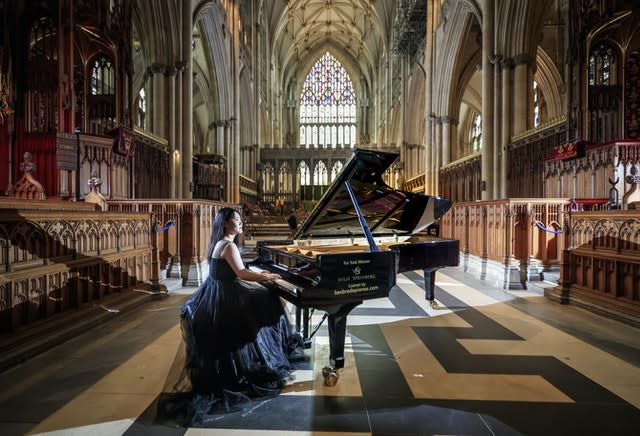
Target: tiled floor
{"points": [[489, 362]]}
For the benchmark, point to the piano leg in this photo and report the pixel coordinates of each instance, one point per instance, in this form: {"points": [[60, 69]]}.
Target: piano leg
{"points": [[430, 286], [337, 323], [337, 332], [306, 326], [302, 325]]}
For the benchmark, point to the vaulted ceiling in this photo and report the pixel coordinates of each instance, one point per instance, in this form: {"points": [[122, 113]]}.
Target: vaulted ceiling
{"points": [[356, 31]]}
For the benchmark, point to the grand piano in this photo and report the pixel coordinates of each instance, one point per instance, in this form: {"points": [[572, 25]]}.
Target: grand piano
{"points": [[360, 235]]}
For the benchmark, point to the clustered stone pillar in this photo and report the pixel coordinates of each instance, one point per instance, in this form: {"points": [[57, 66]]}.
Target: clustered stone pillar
{"points": [[496, 62], [170, 74], [187, 102], [507, 70], [521, 84], [446, 140], [487, 170], [179, 154]]}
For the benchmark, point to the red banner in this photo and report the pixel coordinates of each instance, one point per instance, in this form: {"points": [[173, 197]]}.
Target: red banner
{"points": [[569, 150], [126, 143]]}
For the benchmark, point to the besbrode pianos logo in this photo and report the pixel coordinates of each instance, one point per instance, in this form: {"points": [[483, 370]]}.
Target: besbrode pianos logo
{"points": [[357, 271]]}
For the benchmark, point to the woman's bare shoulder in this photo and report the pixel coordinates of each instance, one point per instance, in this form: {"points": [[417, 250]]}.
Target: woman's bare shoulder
{"points": [[222, 247]]}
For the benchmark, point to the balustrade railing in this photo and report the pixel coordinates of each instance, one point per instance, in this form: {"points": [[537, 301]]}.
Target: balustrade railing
{"points": [[53, 259], [517, 237], [183, 230], [601, 262]]}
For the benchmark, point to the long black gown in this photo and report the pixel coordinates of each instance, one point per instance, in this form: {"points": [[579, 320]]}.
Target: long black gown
{"points": [[237, 339]]}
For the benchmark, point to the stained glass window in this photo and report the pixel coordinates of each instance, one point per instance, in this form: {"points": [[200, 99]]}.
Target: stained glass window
{"points": [[305, 176], [476, 133], [335, 170], [320, 174], [102, 77], [327, 106], [142, 109], [601, 65]]}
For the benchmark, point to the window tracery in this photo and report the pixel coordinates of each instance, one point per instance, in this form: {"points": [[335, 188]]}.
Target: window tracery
{"points": [[476, 133], [320, 174], [601, 65], [102, 87], [327, 106], [305, 175], [42, 76], [335, 169]]}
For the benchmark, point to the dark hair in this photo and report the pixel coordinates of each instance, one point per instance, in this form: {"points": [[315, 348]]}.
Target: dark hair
{"points": [[217, 232]]}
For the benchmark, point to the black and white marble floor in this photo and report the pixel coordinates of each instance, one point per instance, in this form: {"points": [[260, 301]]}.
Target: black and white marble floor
{"points": [[490, 362]]}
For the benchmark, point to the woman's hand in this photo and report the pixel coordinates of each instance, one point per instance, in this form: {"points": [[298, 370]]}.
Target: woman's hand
{"points": [[270, 276]]}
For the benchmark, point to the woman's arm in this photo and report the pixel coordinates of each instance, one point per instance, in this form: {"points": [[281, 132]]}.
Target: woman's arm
{"points": [[232, 255]]}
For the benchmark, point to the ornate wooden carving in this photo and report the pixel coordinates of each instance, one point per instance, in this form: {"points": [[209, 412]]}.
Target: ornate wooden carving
{"points": [[53, 260], [27, 187], [601, 265]]}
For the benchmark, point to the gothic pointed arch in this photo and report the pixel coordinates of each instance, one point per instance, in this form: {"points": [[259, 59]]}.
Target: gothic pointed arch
{"points": [[213, 34], [327, 106], [414, 114], [461, 35], [247, 111], [551, 84]]}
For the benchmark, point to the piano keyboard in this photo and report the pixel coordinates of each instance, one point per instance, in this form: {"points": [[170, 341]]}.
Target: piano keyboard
{"points": [[280, 282]]}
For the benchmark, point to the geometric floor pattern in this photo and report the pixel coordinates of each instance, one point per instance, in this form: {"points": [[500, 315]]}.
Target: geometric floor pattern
{"points": [[486, 362]]}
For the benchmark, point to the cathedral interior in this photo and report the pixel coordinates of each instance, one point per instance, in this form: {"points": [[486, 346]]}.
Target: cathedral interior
{"points": [[125, 125]]}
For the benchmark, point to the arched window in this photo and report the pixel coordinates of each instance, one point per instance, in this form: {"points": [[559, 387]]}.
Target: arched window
{"points": [[327, 105], [335, 170], [42, 77], [320, 174], [142, 109], [269, 179], [601, 65], [605, 93], [103, 77], [305, 174], [284, 178], [476, 133], [101, 98]]}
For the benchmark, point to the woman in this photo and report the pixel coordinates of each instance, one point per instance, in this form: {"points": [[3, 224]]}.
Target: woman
{"points": [[237, 334]]}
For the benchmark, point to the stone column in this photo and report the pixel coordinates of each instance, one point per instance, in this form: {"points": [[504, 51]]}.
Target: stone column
{"points": [[234, 165], [437, 154], [507, 70], [158, 106], [496, 62], [521, 85], [187, 101], [433, 157], [211, 137], [220, 124], [291, 137], [401, 138], [446, 140], [428, 67], [170, 82], [179, 129], [227, 147], [294, 187], [488, 17]]}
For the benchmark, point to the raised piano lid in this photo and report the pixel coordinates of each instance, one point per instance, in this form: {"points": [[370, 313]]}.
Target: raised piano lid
{"points": [[387, 211]]}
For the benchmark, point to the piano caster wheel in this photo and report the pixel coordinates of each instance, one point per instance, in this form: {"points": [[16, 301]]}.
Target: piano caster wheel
{"points": [[330, 376], [436, 306]]}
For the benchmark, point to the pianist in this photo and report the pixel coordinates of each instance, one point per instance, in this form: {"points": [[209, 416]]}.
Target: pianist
{"points": [[237, 337]]}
